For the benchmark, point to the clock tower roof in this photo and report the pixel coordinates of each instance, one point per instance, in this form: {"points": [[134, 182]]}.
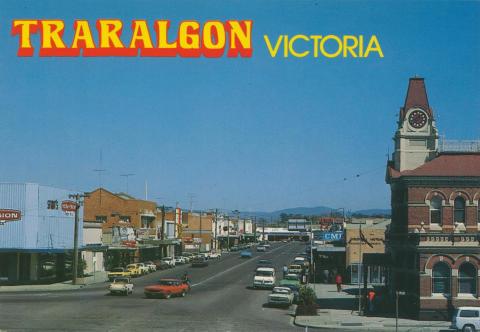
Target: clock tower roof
{"points": [[416, 97]]}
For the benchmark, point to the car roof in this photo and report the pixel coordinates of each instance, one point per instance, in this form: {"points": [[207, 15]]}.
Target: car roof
{"points": [[468, 308], [265, 269]]}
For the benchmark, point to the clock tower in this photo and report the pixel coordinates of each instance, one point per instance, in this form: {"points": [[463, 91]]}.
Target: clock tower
{"points": [[416, 139]]}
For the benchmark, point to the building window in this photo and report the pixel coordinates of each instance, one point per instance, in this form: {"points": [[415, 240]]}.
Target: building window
{"points": [[102, 219], [467, 282], [124, 218], [459, 210], [436, 210], [478, 212], [441, 279]]}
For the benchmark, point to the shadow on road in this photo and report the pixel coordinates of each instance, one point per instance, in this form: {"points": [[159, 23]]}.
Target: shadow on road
{"points": [[338, 304]]}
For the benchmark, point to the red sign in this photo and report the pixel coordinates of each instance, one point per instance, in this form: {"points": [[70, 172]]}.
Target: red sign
{"points": [[69, 206], [10, 215]]}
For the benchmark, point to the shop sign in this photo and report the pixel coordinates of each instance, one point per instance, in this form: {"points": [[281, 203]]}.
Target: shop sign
{"points": [[69, 206], [9, 215]]}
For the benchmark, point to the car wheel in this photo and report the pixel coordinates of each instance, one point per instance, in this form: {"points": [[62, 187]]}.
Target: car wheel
{"points": [[468, 328], [167, 296], [148, 296], [184, 294]]}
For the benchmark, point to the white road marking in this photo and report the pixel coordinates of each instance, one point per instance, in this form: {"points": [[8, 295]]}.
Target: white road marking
{"points": [[235, 266]]}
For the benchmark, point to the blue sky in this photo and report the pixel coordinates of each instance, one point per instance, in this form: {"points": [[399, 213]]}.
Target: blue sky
{"points": [[249, 134]]}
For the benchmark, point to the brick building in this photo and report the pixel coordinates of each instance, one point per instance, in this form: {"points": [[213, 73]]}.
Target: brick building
{"points": [[196, 231], [433, 240], [128, 226]]}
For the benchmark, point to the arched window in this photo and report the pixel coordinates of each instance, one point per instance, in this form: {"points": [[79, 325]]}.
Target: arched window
{"points": [[441, 278], [478, 212], [467, 279], [459, 210], [436, 210]]}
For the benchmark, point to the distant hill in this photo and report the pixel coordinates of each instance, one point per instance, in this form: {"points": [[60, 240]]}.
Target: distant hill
{"points": [[313, 211], [374, 212]]}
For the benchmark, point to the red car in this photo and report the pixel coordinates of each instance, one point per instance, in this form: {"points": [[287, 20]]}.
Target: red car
{"points": [[167, 288]]}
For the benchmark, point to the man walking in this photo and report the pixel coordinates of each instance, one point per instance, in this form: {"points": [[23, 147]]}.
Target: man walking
{"points": [[285, 270], [338, 281]]}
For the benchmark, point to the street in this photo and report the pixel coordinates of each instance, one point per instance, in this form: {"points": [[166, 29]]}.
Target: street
{"points": [[220, 300]]}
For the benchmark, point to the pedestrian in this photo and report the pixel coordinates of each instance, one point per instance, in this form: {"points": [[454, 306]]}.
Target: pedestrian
{"points": [[338, 281], [371, 299], [285, 270]]}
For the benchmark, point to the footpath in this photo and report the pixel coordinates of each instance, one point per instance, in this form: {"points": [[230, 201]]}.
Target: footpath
{"points": [[337, 310], [99, 277]]}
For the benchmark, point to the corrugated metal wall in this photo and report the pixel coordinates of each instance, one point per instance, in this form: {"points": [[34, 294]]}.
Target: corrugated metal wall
{"points": [[13, 196], [40, 227]]}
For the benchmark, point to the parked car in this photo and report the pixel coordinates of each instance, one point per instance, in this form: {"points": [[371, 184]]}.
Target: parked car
{"points": [[214, 255], [169, 260], [199, 262], [246, 254], [118, 272], [121, 286], [187, 259], [167, 288], [137, 269], [264, 278], [290, 279], [152, 267], [179, 260], [295, 290], [234, 248], [261, 249], [281, 296], [466, 319], [161, 265]]}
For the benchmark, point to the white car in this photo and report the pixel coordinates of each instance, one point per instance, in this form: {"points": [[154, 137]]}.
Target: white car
{"points": [[169, 260], [281, 296], [466, 319], [143, 268], [180, 260], [214, 255], [121, 286], [151, 266], [264, 278]]}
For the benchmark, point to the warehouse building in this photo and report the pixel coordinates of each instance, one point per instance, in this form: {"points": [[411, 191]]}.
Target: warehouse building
{"points": [[36, 233]]}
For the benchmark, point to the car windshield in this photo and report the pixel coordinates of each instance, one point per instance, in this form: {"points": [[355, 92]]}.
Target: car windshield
{"points": [[281, 291], [120, 281], [167, 259], [118, 269], [291, 277], [264, 262], [167, 282], [264, 273]]}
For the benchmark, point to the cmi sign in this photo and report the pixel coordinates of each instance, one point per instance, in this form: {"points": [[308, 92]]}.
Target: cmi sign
{"points": [[9, 215]]}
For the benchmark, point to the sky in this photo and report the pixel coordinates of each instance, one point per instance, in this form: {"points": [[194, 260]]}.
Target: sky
{"points": [[254, 134]]}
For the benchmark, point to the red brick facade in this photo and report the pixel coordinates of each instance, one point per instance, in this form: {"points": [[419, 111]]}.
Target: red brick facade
{"points": [[433, 242]]}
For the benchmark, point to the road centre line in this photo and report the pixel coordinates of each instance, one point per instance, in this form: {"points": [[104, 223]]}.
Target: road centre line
{"points": [[236, 266]]}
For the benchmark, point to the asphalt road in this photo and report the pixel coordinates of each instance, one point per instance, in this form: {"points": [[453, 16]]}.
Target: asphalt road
{"points": [[220, 300]]}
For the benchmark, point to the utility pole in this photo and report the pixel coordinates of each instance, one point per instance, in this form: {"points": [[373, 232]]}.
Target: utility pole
{"points": [[78, 204], [228, 233], [360, 267], [255, 228], [263, 230], [201, 240], [215, 233]]}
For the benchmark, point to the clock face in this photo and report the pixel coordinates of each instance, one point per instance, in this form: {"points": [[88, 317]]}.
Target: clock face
{"points": [[417, 119]]}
